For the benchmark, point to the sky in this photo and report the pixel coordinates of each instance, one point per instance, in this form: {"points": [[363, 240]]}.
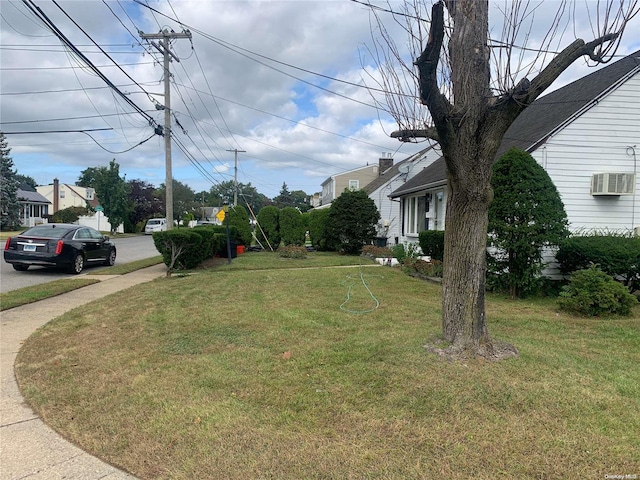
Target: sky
{"points": [[282, 82]]}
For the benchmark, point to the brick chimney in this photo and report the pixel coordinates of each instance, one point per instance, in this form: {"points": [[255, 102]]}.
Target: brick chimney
{"points": [[56, 194], [385, 163]]}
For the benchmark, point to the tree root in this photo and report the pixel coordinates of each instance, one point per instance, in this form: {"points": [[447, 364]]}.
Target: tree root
{"points": [[493, 350]]}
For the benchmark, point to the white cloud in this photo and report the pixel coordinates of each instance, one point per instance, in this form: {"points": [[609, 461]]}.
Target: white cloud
{"points": [[256, 99]]}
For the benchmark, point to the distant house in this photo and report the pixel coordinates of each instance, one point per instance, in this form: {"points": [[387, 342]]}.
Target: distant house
{"points": [[355, 179], [63, 195], [390, 179], [587, 137], [34, 208]]}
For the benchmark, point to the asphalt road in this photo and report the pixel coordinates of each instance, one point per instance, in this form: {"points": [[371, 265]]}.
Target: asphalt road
{"points": [[128, 249]]}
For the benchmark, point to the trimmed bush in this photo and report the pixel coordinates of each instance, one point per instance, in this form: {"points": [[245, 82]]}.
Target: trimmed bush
{"points": [[592, 292], [292, 251], [267, 230], [180, 248], [432, 243], [526, 215], [353, 218], [292, 226], [69, 214], [239, 222], [616, 255], [318, 220]]}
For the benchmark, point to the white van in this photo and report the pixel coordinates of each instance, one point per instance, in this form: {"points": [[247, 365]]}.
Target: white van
{"points": [[155, 225]]}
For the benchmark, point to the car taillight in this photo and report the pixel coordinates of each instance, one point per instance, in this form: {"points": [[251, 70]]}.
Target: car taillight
{"points": [[59, 247], [6, 245]]}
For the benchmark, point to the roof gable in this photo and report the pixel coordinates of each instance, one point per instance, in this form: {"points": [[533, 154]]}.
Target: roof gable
{"points": [[540, 119], [394, 170], [543, 117]]}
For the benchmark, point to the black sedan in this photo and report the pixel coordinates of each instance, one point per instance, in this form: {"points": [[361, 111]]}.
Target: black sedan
{"points": [[59, 245]]}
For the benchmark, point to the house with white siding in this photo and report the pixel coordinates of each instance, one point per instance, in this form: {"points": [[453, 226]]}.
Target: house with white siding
{"points": [[34, 208], [587, 137], [389, 180]]}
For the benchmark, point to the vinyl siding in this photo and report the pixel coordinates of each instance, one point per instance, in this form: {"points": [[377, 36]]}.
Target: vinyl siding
{"points": [[598, 141]]}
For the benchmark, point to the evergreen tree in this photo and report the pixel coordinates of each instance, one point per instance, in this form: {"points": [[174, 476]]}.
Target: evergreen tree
{"points": [[267, 230], [284, 199], [292, 226], [353, 217], [526, 214], [9, 204]]}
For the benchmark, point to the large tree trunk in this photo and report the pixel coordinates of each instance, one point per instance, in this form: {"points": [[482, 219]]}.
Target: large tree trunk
{"points": [[469, 121], [463, 319]]}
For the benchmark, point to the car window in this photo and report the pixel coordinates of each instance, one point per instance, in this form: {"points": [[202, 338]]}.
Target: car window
{"points": [[83, 233], [96, 235], [46, 231]]}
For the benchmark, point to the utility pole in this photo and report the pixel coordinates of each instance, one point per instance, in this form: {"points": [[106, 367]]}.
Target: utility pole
{"points": [[235, 176], [163, 46]]}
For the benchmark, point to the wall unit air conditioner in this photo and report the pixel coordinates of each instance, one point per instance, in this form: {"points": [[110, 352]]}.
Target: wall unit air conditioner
{"points": [[613, 184]]}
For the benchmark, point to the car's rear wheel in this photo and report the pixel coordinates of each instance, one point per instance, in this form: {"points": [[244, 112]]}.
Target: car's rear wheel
{"points": [[20, 268], [111, 258], [78, 264]]}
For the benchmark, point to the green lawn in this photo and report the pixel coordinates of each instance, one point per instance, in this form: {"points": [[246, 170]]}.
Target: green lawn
{"points": [[237, 373]]}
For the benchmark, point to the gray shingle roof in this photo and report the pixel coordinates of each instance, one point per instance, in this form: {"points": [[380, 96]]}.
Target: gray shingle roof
{"points": [[31, 197], [392, 172], [538, 121]]}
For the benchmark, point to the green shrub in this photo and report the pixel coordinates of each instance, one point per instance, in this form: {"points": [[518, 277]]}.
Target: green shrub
{"points": [[69, 214], [292, 226], [239, 223], [432, 243], [423, 268], [353, 218], [267, 231], [292, 251], [617, 255], [180, 248], [207, 235], [402, 252], [592, 292], [318, 220], [526, 215]]}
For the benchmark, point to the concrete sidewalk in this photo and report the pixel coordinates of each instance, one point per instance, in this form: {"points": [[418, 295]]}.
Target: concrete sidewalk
{"points": [[28, 448]]}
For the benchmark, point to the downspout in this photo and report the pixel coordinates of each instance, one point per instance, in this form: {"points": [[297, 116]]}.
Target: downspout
{"points": [[631, 151]]}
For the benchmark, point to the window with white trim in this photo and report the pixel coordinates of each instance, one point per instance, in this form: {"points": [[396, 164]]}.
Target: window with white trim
{"points": [[354, 185], [414, 214]]}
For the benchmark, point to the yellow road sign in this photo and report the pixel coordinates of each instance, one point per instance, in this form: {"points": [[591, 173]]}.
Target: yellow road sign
{"points": [[220, 215]]}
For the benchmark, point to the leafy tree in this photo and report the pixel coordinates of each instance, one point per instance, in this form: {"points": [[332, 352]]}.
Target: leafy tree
{"points": [[353, 217], [143, 204], [471, 88], [89, 176], [292, 226], [248, 196], [27, 180], [284, 199], [300, 200], [526, 214], [111, 190], [239, 218], [267, 230], [184, 198], [9, 183]]}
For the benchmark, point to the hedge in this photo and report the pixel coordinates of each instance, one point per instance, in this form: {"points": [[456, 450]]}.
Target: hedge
{"points": [[432, 243], [616, 255], [193, 250]]}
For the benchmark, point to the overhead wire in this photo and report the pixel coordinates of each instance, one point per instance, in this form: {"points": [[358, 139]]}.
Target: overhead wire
{"points": [[38, 13]]}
